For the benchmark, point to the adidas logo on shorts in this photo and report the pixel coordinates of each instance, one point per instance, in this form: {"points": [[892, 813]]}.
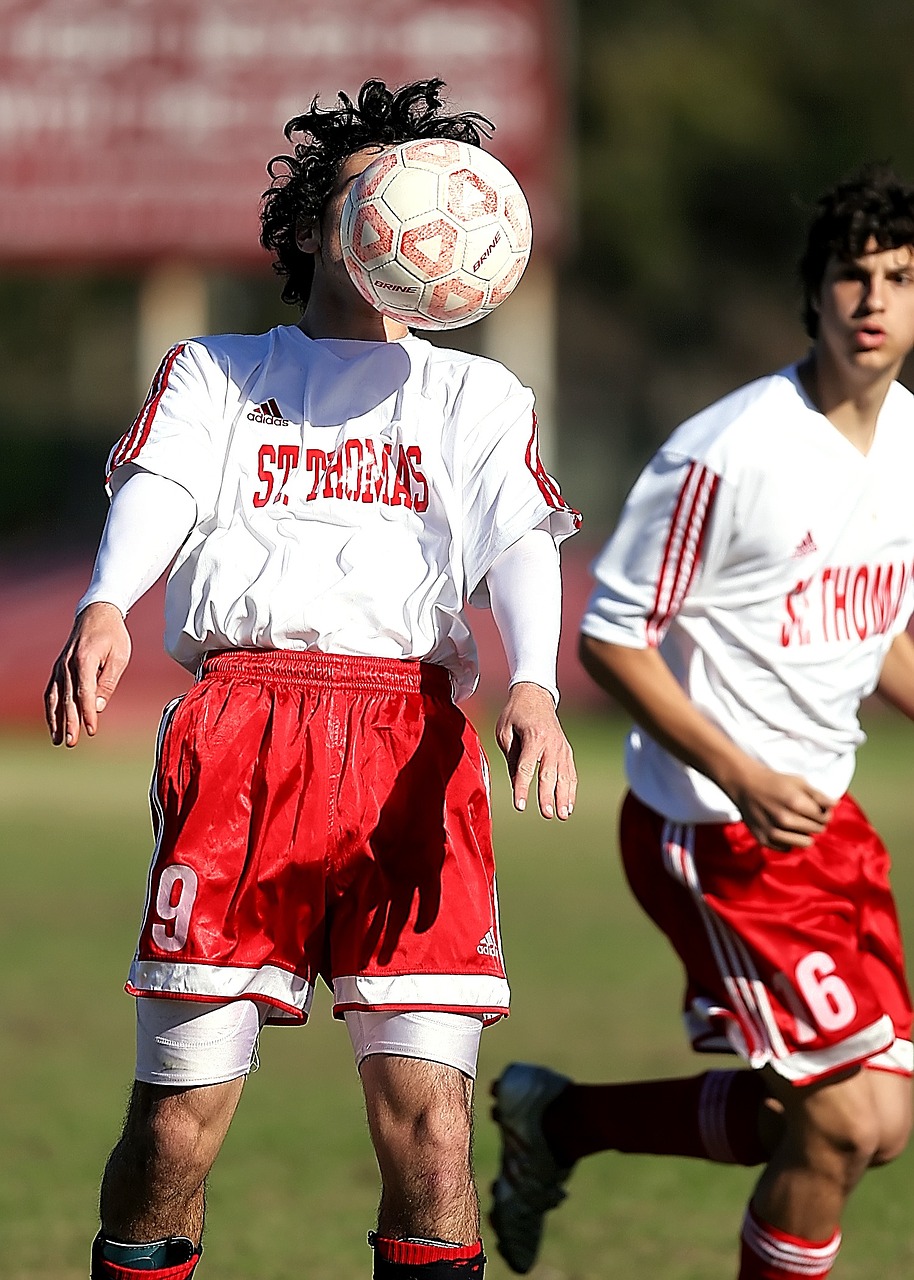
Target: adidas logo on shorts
{"points": [[487, 945]]}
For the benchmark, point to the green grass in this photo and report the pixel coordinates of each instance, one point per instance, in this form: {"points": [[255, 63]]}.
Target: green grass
{"points": [[595, 993]]}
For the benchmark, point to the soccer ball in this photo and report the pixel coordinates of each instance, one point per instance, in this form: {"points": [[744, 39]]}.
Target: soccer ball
{"points": [[435, 233]]}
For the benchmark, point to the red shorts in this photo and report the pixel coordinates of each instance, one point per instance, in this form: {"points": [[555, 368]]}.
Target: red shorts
{"points": [[792, 959], [321, 815]]}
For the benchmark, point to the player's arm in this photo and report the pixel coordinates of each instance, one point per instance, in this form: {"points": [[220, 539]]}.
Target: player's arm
{"points": [[671, 536], [149, 519], [525, 589], [781, 810], [896, 680]]}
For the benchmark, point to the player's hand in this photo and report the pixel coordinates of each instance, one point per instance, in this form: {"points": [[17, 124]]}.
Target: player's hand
{"points": [[87, 673], [531, 738], [781, 810]]}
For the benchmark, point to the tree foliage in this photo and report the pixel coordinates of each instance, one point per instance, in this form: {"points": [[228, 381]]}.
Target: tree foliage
{"points": [[707, 128], [705, 131]]}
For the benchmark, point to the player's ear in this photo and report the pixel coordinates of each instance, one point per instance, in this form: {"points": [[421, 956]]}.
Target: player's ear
{"points": [[308, 236]]}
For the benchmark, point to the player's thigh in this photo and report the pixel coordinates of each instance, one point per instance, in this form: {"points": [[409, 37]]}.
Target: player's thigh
{"points": [[770, 942], [451, 1039], [190, 1043], [882, 948], [413, 914], [235, 901], [192, 1061]]}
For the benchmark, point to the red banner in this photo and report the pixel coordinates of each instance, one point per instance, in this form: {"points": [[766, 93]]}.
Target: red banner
{"points": [[134, 130]]}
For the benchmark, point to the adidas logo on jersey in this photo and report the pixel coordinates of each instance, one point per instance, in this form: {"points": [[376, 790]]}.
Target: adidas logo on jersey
{"points": [[487, 945], [269, 413], [805, 546]]}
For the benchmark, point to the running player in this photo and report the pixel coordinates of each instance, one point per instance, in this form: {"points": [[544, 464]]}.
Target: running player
{"points": [[757, 587], [335, 492]]}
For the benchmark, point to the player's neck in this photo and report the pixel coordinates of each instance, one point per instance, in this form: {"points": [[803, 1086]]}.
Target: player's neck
{"points": [[326, 317], [851, 405]]}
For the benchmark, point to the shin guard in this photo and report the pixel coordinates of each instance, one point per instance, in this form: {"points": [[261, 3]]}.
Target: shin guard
{"points": [[172, 1259]]}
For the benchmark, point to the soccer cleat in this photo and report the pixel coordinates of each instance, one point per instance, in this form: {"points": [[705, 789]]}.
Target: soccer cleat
{"points": [[530, 1180]]}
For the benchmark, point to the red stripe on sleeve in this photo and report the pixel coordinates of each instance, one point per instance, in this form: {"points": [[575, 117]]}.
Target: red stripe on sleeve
{"points": [[682, 552], [130, 444], [546, 485]]}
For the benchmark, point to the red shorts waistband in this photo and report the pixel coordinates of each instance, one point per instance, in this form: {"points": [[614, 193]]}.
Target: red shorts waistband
{"points": [[336, 670]]}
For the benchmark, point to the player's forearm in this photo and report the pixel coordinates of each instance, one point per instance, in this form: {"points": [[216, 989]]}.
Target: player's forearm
{"points": [[643, 684], [148, 521], [525, 588], [896, 680]]}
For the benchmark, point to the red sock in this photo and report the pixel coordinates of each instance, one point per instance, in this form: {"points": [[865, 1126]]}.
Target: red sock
{"points": [[713, 1116], [771, 1254], [426, 1259]]}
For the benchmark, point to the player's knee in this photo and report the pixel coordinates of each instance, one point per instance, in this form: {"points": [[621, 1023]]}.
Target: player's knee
{"points": [[425, 1161], [893, 1139], [423, 1147], [835, 1126], [419, 1114], [448, 1130], [434, 1131], [170, 1130], [844, 1137]]}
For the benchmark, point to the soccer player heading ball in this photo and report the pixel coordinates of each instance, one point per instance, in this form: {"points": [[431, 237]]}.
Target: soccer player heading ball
{"points": [[757, 587], [335, 493]]}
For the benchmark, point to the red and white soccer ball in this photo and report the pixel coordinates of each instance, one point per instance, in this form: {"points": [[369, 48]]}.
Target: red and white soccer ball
{"points": [[435, 233]]}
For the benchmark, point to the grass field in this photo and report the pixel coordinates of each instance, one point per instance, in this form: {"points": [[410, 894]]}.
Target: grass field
{"points": [[595, 994]]}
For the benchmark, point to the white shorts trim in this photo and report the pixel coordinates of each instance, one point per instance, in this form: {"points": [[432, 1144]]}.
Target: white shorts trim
{"points": [[712, 1029], [290, 995], [803, 1068], [899, 1058], [484, 996], [449, 1038], [183, 1043]]}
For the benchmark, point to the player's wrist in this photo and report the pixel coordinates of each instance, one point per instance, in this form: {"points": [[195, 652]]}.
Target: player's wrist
{"points": [[733, 772], [536, 683], [98, 605]]}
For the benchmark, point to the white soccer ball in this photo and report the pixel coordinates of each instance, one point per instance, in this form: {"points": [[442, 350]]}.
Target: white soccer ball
{"points": [[435, 233]]}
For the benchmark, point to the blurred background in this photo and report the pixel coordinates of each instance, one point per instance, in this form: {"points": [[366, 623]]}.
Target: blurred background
{"points": [[670, 151]]}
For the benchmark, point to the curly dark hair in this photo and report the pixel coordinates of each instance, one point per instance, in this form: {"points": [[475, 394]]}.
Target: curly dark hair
{"points": [[301, 182], [871, 204]]}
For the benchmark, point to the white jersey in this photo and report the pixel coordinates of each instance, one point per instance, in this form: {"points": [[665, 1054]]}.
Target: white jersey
{"points": [[771, 562], [350, 495]]}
